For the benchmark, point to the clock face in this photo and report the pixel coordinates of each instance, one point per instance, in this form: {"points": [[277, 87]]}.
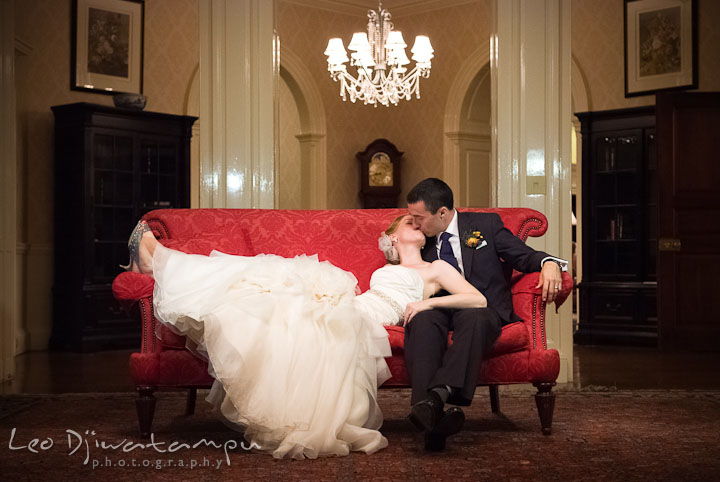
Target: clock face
{"points": [[380, 170]]}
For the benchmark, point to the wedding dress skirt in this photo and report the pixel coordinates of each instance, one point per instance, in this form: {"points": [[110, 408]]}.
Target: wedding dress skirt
{"points": [[297, 360]]}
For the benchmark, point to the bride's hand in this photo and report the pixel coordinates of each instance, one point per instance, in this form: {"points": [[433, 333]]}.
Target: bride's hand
{"points": [[357, 290], [414, 308]]}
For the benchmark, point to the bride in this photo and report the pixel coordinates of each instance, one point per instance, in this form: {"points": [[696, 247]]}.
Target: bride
{"points": [[297, 357]]}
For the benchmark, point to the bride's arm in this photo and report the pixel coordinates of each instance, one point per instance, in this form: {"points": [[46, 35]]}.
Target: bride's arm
{"points": [[462, 294]]}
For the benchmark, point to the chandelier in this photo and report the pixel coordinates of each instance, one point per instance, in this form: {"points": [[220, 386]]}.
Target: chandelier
{"points": [[380, 59]]}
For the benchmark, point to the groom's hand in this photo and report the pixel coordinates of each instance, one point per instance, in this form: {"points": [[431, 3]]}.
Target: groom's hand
{"points": [[550, 280]]}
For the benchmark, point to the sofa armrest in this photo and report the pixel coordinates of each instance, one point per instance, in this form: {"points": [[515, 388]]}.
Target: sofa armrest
{"points": [[529, 305], [135, 289], [129, 287], [527, 282]]}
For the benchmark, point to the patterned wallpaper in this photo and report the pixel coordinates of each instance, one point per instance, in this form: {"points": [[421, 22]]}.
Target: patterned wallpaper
{"points": [[43, 80], [171, 54], [597, 46], [415, 127]]}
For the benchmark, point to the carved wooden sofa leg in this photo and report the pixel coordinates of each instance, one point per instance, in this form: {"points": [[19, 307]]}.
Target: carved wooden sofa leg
{"points": [[545, 401], [494, 398], [190, 405], [145, 405]]}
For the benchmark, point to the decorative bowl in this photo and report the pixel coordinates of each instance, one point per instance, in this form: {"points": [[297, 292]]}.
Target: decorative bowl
{"points": [[130, 101]]}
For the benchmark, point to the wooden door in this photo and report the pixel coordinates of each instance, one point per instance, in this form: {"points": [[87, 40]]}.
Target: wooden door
{"points": [[688, 128]]}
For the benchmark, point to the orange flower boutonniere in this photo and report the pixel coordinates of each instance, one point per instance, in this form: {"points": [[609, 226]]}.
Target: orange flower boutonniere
{"points": [[474, 240]]}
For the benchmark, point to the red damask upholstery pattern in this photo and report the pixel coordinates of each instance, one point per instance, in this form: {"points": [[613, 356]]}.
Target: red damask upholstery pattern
{"points": [[348, 239]]}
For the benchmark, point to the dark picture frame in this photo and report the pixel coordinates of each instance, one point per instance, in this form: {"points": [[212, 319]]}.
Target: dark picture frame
{"points": [[107, 46], [660, 45]]}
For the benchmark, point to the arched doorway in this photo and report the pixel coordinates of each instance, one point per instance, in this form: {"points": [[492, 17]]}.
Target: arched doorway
{"points": [[301, 163], [467, 165], [289, 180]]}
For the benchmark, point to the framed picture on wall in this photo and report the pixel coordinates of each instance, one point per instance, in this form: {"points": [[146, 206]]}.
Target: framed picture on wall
{"points": [[107, 54], [660, 46]]}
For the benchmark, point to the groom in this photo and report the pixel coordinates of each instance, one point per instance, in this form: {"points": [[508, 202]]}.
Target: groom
{"points": [[474, 244]]}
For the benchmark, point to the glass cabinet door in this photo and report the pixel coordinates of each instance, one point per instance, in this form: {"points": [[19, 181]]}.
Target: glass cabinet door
{"points": [[112, 200], [651, 200], [126, 184], [159, 175], [616, 205]]}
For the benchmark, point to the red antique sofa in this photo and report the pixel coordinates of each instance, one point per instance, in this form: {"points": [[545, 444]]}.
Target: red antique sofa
{"points": [[348, 239]]}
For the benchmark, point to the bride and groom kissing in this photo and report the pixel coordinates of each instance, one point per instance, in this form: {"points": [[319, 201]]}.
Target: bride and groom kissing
{"points": [[297, 356]]}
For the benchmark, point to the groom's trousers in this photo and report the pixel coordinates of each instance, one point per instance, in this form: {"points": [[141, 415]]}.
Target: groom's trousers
{"points": [[432, 363]]}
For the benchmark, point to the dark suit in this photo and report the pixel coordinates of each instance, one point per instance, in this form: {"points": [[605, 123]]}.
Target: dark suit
{"points": [[430, 362]]}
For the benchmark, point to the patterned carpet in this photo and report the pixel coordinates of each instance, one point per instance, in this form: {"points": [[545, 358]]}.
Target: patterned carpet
{"points": [[599, 435]]}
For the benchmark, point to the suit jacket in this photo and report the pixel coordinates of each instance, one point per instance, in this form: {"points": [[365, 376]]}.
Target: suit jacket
{"points": [[484, 267]]}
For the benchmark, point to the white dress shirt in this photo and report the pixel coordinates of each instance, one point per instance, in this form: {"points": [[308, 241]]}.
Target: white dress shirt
{"points": [[563, 264]]}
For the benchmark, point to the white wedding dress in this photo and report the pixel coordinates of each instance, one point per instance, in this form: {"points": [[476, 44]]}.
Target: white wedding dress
{"points": [[297, 357]]}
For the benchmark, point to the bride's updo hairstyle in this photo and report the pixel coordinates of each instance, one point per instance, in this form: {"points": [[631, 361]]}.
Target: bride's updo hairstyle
{"points": [[386, 246]]}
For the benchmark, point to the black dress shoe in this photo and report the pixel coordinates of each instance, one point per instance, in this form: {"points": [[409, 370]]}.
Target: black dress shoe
{"points": [[449, 424], [427, 413]]}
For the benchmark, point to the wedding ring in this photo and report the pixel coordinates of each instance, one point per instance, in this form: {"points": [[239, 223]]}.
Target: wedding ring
{"points": [[557, 287]]}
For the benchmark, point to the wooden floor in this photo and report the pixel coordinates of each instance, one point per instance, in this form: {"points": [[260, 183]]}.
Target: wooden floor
{"points": [[615, 367]]}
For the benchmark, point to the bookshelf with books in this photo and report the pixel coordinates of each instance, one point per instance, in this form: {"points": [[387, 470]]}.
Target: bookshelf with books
{"points": [[619, 182]]}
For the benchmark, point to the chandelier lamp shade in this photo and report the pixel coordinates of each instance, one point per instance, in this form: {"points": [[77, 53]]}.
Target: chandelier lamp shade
{"points": [[380, 61]]}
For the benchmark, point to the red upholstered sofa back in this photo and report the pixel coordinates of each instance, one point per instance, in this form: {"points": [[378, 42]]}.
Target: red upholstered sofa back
{"points": [[346, 238]]}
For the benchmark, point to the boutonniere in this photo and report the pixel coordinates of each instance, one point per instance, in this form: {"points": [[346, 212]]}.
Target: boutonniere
{"points": [[474, 240]]}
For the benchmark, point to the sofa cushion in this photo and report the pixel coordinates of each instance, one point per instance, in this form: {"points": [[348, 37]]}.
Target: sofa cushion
{"points": [[514, 337], [397, 340], [533, 366]]}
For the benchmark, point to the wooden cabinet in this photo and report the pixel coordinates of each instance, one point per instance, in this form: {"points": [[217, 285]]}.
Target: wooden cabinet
{"points": [[111, 167], [619, 181]]}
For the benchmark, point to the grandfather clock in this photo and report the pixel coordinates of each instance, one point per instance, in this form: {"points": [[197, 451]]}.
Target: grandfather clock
{"points": [[379, 174]]}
